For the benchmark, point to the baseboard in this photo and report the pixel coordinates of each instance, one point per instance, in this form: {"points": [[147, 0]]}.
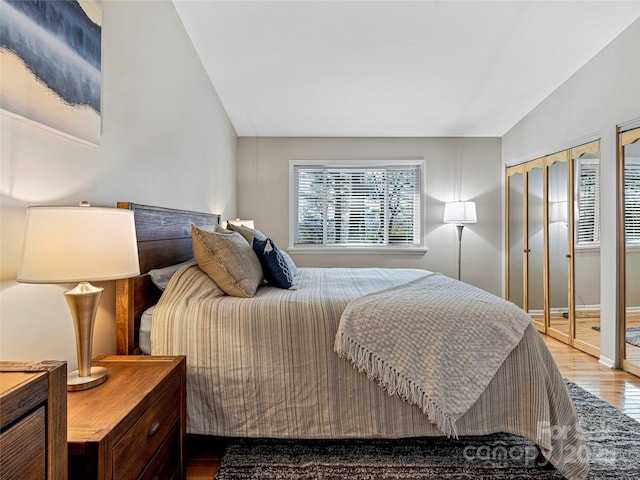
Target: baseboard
{"points": [[587, 307], [607, 362]]}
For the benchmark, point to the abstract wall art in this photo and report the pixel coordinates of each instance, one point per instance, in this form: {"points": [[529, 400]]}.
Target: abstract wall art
{"points": [[50, 64]]}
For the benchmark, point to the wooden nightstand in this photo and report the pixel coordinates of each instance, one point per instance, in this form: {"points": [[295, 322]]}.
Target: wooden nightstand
{"points": [[133, 425], [33, 410]]}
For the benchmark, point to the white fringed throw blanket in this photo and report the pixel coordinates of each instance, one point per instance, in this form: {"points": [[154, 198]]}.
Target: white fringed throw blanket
{"points": [[435, 342]]}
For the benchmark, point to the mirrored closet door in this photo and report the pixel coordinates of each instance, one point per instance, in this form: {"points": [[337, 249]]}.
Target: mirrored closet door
{"points": [[586, 247], [525, 239], [629, 235], [553, 238], [535, 241], [558, 246], [515, 235]]}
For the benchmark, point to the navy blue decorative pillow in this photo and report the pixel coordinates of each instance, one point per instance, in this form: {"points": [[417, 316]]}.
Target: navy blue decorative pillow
{"points": [[274, 266]]}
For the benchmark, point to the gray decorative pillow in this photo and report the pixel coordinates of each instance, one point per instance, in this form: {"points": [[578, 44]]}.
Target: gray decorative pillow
{"points": [[248, 233], [228, 260]]}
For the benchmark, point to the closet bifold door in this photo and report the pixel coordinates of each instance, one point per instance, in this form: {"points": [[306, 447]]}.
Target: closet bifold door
{"points": [[534, 250], [585, 248], [629, 248], [558, 248], [553, 239], [525, 236], [515, 235]]}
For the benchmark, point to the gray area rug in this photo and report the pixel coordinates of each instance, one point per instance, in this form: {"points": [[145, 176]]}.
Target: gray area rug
{"points": [[632, 335], [613, 440]]}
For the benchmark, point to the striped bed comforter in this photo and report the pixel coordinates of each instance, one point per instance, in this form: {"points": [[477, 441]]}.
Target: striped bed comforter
{"points": [[266, 367]]}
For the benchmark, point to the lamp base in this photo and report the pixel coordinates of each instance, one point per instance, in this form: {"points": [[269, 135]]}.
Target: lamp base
{"points": [[83, 301], [76, 382], [459, 227]]}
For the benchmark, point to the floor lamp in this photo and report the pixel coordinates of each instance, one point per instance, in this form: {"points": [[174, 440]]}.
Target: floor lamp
{"points": [[80, 244], [460, 213]]}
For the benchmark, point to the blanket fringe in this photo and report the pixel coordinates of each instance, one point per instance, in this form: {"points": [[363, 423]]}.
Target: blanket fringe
{"points": [[394, 383]]}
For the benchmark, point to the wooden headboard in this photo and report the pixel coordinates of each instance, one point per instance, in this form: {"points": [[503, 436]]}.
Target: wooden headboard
{"points": [[164, 238]]}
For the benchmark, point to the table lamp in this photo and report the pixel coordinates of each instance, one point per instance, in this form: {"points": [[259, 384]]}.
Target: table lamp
{"points": [[460, 213], [80, 244]]}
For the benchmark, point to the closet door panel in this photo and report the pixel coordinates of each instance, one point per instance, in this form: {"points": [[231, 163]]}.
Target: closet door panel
{"points": [[586, 247], [559, 244], [629, 177], [535, 240], [515, 236]]}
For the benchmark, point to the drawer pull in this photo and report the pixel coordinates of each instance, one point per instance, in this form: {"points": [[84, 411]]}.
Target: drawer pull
{"points": [[153, 429]]}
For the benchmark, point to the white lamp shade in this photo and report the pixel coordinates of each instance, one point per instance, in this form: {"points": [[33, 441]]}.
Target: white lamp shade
{"points": [[460, 212], [78, 244]]}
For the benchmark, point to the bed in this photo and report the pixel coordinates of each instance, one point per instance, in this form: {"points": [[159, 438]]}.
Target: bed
{"points": [[267, 366]]}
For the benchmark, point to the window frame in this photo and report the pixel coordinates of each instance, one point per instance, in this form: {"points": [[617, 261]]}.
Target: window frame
{"points": [[349, 249]]}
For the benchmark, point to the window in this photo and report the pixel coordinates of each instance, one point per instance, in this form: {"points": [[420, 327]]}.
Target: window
{"points": [[632, 203], [340, 205], [588, 203]]}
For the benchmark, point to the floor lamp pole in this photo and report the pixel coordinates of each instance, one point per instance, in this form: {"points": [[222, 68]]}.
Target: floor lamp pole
{"points": [[460, 227]]}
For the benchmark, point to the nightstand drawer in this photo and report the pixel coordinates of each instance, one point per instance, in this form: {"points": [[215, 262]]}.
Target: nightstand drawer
{"points": [[137, 446], [166, 463], [23, 448]]}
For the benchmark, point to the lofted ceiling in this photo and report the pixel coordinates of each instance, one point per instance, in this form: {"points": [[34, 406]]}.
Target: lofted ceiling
{"points": [[393, 68]]}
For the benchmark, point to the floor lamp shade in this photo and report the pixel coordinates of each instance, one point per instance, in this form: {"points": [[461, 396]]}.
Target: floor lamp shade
{"points": [[460, 213], [79, 244]]}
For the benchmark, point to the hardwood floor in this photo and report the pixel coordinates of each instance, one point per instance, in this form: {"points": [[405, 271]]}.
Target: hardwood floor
{"points": [[619, 388], [586, 320], [204, 455]]}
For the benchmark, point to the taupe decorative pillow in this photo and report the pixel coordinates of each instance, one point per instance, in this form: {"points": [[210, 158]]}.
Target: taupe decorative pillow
{"points": [[248, 233], [228, 260]]}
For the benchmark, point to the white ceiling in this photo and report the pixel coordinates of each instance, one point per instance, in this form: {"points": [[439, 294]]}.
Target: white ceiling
{"points": [[393, 68]]}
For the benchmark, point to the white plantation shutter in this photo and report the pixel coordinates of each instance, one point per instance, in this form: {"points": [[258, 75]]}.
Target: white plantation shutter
{"points": [[588, 204], [357, 206], [632, 203]]}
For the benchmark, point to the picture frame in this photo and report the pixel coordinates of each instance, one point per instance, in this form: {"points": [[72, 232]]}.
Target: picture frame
{"points": [[51, 55]]}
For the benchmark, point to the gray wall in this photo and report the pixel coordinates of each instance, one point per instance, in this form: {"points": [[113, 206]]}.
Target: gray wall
{"points": [[603, 94], [456, 168], [166, 140]]}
